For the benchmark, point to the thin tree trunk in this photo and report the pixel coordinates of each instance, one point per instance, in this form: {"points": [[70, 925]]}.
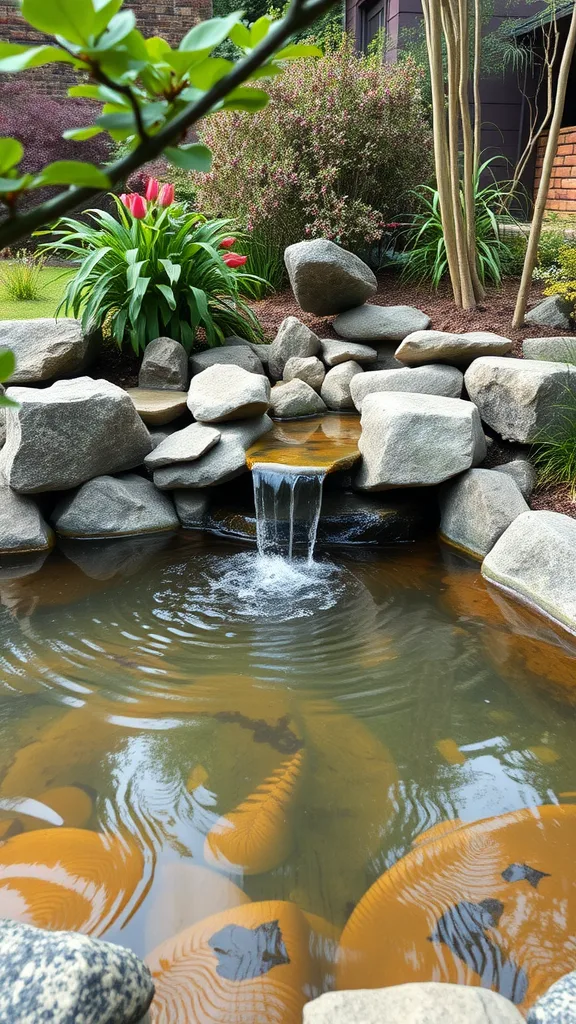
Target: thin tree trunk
{"points": [[544, 186], [476, 83], [469, 169], [550, 53]]}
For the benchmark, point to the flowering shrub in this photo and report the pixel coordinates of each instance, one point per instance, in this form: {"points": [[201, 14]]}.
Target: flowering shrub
{"points": [[334, 154], [156, 269], [562, 277]]}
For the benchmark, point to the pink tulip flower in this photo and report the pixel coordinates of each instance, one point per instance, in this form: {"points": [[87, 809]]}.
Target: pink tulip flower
{"points": [[152, 189], [166, 195]]}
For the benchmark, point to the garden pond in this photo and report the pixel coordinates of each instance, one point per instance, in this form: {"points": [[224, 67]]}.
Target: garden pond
{"points": [[198, 730]]}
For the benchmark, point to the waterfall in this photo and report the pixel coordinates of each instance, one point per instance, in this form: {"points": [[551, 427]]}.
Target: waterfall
{"points": [[288, 501]]}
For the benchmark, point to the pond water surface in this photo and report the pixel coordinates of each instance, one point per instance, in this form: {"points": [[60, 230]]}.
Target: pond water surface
{"points": [[216, 733]]}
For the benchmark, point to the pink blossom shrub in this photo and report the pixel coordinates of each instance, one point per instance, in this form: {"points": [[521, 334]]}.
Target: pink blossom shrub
{"points": [[334, 154]]}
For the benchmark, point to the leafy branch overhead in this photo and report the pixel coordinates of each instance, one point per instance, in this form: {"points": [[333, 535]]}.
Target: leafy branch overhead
{"points": [[150, 94]]}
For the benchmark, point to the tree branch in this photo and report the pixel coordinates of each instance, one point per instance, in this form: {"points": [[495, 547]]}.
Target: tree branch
{"points": [[301, 13]]}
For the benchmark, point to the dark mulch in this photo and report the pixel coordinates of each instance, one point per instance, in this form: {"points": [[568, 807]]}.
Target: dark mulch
{"points": [[120, 366]]}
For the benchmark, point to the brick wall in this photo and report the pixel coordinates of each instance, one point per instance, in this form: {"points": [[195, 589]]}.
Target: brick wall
{"points": [[168, 18], [562, 192]]}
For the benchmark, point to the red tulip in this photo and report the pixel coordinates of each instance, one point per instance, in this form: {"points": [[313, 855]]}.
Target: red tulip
{"points": [[138, 207], [227, 243], [234, 259], [124, 199], [166, 195], [152, 189]]}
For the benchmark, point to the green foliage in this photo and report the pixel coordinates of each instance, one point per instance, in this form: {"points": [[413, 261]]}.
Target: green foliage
{"points": [[551, 242], [426, 250], [162, 274], [513, 259], [266, 263], [7, 367], [555, 448], [21, 276], [560, 278]]}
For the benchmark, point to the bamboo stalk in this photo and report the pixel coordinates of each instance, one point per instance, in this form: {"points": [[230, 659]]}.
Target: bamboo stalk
{"points": [[469, 167]]}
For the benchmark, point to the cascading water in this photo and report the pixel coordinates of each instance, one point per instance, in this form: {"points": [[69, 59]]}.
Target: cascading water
{"points": [[288, 501]]}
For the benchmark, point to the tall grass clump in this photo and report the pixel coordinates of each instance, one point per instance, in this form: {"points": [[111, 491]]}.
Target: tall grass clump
{"points": [[21, 277]]}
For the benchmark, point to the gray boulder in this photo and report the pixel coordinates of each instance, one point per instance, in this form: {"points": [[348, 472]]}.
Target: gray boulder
{"points": [[557, 1005], [63, 435], [293, 339], [337, 383], [222, 393], [334, 352], [164, 365], [235, 353], [158, 407], [294, 398], [426, 1002], [553, 311], [327, 279], [523, 472], [441, 347], [518, 397], [380, 323], [115, 506], [66, 978], [477, 508], [535, 561], [45, 348], [425, 380], [309, 369], [222, 463], [414, 440], [183, 445], [22, 527], [552, 350], [2, 419], [261, 350], [192, 508]]}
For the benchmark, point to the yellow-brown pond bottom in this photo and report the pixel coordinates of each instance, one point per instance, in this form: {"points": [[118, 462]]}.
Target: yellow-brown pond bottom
{"points": [[274, 780]]}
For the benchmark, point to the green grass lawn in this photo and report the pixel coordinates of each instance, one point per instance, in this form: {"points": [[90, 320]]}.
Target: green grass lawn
{"points": [[53, 282]]}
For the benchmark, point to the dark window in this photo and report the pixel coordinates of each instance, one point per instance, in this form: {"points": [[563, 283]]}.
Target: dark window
{"points": [[373, 21]]}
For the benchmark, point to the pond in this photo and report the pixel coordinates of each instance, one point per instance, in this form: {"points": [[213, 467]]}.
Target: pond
{"points": [[201, 731]]}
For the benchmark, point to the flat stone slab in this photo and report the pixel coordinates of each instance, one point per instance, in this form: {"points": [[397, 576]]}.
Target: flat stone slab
{"points": [[426, 380], [224, 462], [518, 398], [327, 279], [45, 348], [561, 349], [380, 323], [535, 561], [335, 352], [441, 347], [158, 407], [65, 978], [329, 443], [414, 1003], [477, 507], [183, 445]]}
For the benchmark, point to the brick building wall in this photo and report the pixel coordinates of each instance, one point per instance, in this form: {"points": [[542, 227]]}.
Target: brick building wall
{"points": [[562, 192], [170, 19]]}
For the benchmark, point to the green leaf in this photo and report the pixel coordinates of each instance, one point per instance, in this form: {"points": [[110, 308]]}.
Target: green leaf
{"points": [[173, 270], [105, 11], [245, 98], [208, 72], [295, 50], [133, 273], [14, 57], [15, 184], [209, 34], [73, 19], [7, 364], [259, 30], [240, 36], [81, 134], [120, 26], [191, 95], [168, 294], [11, 153], [8, 403], [192, 157], [71, 172], [266, 71], [182, 60]]}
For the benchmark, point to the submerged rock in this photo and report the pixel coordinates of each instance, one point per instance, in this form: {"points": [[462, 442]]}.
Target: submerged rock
{"points": [[70, 432], [223, 462], [415, 1003], [115, 506], [164, 365], [293, 339], [337, 383], [294, 398], [442, 347], [222, 393], [45, 348], [380, 323], [518, 397], [477, 508], [64, 978], [327, 279], [22, 526], [111, 557]]}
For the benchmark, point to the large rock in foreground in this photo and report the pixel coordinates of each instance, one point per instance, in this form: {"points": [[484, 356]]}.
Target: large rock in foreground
{"points": [[115, 506], [223, 393], [223, 462], [414, 440], [45, 348], [293, 339], [425, 380], [477, 508], [440, 347], [327, 279], [518, 397], [164, 365], [535, 561], [415, 1003], [66, 434], [67, 978], [22, 527], [380, 323]]}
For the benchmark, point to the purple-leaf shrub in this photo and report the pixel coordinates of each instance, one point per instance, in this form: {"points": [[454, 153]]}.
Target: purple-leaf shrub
{"points": [[334, 154]]}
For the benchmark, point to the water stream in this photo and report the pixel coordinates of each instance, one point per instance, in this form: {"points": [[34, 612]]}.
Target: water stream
{"points": [[288, 501]]}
